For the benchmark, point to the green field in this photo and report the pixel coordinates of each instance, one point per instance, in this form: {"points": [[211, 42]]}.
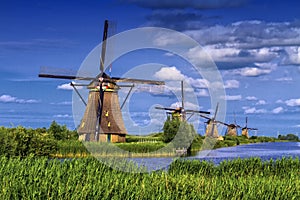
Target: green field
{"points": [[87, 178]]}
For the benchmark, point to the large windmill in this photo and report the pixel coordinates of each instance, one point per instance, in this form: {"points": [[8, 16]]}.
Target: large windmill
{"points": [[102, 119], [246, 128], [181, 112]]}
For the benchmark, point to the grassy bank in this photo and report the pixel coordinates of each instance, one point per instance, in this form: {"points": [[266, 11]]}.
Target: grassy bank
{"points": [[57, 141], [87, 178]]}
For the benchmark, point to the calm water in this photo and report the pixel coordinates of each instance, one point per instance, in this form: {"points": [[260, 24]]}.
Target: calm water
{"points": [[265, 151]]}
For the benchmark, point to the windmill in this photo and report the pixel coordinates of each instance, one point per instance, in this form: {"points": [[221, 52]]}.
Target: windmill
{"points": [[102, 119], [232, 128], [246, 128], [211, 129], [180, 112]]}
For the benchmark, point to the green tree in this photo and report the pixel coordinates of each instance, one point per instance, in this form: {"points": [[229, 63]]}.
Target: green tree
{"points": [[170, 129], [61, 132], [179, 132]]}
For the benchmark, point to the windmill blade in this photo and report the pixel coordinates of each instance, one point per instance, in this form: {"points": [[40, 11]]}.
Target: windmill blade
{"points": [[103, 50], [162, 108], [182, 96], [205, 117], [254, 129], [66, 77], [59, 73], [234, 119], [223, 123], [217, 107], [246, 122], [197, 111], [140, 81]]}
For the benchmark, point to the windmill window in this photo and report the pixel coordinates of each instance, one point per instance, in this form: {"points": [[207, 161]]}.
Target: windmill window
{"points": [[108, 125], [106, 113]]}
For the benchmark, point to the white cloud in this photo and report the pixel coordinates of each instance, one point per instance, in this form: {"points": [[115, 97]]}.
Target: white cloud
{"points": [[284, 79], [65, 86], [261, 102], [253, 110], [293, 55], [251, 98], [277, 110], [169, 73], [293, 102], [169, 54], [232, 98], [10, 99], [232, 84], [279, 101], [187, 105], [252, 71], [62, 103], [62, 116], [202, 93], [7, 98], [198, 83]]}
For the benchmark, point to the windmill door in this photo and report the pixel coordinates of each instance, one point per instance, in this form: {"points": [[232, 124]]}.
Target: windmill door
{"points": [[108, 137]]}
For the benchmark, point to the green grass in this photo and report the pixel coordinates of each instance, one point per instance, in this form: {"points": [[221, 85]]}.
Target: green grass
{"points": [[87, 178]]}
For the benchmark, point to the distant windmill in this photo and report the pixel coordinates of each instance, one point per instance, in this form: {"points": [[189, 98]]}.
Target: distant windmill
{"points": [[181, 112], [102, 119], [232, 128], [246, 128], [211, 129]]}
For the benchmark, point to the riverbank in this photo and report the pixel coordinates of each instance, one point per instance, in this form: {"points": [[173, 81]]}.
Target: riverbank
{"points": [[154, 148]]}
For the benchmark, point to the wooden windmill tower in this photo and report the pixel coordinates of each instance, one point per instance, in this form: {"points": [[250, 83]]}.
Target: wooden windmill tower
{"points": [[232, 128], [102, 119], [246, 128], [181, 113], [211, 129]]}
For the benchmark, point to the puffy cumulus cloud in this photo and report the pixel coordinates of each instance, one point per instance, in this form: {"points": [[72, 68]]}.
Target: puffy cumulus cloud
{"points": [[179, 4], [231, 84], [293, 102], [261, 102], [232, 97], [5, 98], [251, 98], [252, 71], [277, 110], [169, 73], [253, 110], [292, 56]]}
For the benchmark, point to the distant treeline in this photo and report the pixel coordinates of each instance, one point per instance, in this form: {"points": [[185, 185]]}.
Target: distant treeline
{"points": [[290, 137]]}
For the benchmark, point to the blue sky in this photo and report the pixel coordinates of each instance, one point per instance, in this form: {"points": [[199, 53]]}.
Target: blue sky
{"points": [[255, 45]]}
